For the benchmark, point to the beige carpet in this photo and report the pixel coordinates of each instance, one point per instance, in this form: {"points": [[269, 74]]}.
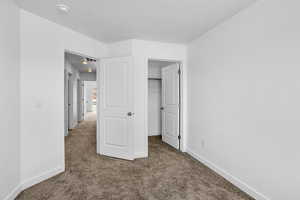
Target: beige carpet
{"points": [[165, 175]]}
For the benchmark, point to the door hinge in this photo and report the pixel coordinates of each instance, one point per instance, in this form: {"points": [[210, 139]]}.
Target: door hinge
{"points": [[179, 71], [179, 137]]}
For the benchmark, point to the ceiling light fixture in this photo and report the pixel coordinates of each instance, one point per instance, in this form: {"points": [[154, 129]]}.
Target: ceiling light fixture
{"points": [[63, 8], [84, 61]]}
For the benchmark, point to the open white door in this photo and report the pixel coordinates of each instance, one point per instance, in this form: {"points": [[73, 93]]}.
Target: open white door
{"points": [[170, 105], [116, 108]]}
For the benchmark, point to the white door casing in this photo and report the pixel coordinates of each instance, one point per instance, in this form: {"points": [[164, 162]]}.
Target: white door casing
{"points": [[66, 101], [170, 105], [70, 102], [116, 115], [79, 102], [82, 104]]}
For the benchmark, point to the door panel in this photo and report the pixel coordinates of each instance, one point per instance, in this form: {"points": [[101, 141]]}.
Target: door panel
{"points": [[116, 80], [113, 126], [170, 104], [116, 101]]}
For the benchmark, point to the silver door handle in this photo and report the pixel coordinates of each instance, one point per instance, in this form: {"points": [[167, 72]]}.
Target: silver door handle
{"points": [[130, 114]]}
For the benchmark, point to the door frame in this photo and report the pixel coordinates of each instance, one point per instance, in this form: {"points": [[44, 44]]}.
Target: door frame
{"points": [[79, 100], [70, 102], [97, 84], [181, 78]]}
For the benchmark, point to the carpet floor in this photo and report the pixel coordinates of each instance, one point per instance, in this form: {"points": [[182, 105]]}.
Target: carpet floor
{"points": [[165, 175]]}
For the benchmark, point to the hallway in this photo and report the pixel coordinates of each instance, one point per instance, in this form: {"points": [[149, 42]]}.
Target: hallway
{"points": [[165, 175]]}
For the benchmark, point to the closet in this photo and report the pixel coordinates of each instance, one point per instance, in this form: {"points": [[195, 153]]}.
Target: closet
{"points": [[155, 96]]}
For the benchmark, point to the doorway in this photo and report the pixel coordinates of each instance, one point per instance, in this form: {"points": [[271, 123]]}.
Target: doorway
{"points": [[164, 102], [90, 99], [80, 74]]}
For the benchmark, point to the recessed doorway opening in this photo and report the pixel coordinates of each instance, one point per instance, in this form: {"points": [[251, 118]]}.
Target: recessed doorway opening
{"points": [[80, 105], [164, 102]]}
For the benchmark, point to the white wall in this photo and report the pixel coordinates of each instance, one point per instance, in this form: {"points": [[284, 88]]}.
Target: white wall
{"points": [[87, 76], [42, 93], [74, 93], [120, 49], [9, 101], [154, 69], [244, 94]]}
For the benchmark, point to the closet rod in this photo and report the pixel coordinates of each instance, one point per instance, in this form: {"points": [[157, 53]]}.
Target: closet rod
{"points": [[154, 79]]}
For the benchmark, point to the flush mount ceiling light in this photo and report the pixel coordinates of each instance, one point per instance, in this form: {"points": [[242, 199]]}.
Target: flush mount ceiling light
{"points": [[63, 8]]}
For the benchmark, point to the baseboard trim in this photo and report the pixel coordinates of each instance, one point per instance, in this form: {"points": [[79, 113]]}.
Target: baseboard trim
{"points": [[42, 177], [154, 134], [32, 181], [13, 194], [234, 180]]}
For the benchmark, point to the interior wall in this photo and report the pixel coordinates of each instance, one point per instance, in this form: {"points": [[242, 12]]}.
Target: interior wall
{"points": [[9, 101], [244, 94], [74, 93], [43, 44], [88, 76], [154, 69]]}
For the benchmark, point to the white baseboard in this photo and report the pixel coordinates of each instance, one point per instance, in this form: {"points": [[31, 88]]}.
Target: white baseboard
{"points": [[32, 181], [234, 180], [154, 133], [42, 177], [13, 194]]}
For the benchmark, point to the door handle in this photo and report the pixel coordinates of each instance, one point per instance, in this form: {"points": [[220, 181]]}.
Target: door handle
{"points": [[130, 114], [161, 108]]}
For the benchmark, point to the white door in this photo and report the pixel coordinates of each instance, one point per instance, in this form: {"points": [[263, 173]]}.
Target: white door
{"points": [[90, 90], [170, 105], [116, 108], [70, 102]]}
